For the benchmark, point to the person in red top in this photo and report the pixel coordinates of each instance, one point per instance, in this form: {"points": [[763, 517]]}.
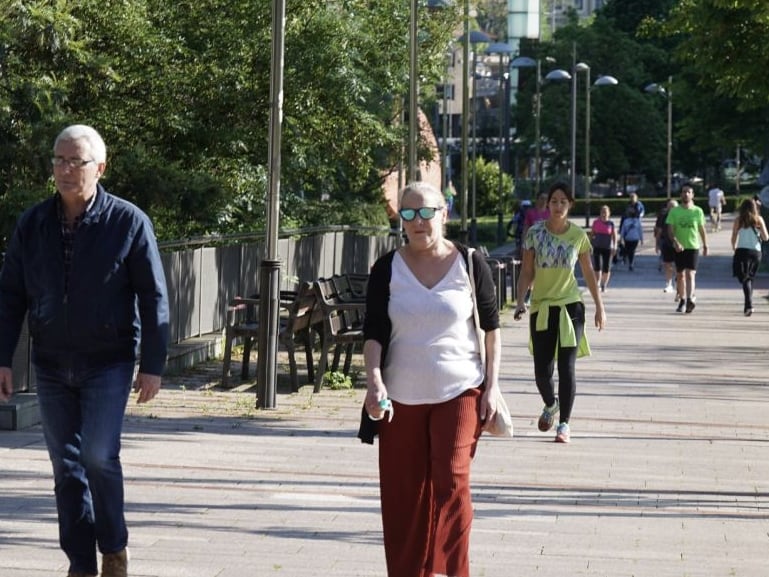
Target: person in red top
{"points": [[537, 213], [604, 238]]}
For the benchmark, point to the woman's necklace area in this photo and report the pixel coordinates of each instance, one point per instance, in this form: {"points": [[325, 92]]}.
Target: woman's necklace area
{"points": [[439, 251], [558, 228]]}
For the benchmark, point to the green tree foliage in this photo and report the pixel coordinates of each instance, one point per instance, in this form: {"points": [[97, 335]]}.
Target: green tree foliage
{"points": [[487, 183], [722, 90], [492, 18], [724, 44], [628, 15], [180, 91], [627, 128]]}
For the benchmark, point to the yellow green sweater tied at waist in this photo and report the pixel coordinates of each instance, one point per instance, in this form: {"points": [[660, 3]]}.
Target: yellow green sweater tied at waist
{"points": [[567, 336]]}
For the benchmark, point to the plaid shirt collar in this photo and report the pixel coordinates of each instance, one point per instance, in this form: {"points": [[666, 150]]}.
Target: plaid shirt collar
{"points": [[68, 233], [78, 219]]}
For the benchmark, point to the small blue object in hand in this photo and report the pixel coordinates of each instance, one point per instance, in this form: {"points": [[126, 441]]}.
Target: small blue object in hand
{"points": [[387, 406]]}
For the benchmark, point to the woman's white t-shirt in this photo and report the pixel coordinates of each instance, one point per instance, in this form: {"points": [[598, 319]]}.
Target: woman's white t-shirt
{"points": [[433, 354]]}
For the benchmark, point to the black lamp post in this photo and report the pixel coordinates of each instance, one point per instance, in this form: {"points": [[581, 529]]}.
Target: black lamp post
{"points": [[504, 50], [469, 37], [668, 94], [603, 80]]}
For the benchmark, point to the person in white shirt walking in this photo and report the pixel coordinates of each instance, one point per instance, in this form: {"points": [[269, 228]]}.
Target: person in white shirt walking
{"points": [[716, 202]]}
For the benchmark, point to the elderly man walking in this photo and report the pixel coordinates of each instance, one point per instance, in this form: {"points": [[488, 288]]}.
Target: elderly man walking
{"points": [[84, 267]]}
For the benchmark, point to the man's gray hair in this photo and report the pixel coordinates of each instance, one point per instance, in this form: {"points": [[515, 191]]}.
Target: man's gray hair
{"points": [[87, 133]]}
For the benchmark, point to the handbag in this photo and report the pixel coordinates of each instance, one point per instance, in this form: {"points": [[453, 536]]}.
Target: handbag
{"points": [[502, 424]]}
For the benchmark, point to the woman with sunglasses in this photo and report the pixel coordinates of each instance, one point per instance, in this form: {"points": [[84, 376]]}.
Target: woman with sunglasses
{"points": [[424, 372], [557, 325]]}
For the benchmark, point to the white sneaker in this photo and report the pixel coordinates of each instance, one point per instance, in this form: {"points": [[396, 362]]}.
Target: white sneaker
{"points": [[668, 288]]}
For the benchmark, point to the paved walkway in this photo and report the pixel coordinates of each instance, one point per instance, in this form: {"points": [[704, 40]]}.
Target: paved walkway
{"points": [[667, 474]]}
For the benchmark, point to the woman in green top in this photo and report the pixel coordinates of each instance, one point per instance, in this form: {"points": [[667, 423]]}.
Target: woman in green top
{"points": [[557, 325]]}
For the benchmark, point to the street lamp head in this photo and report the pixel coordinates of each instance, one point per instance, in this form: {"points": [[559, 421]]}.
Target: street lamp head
{"points": [[606, 80], [655, 88], [502, 48], [523, 62], [558, 74], [582, 67], [476, 37]]}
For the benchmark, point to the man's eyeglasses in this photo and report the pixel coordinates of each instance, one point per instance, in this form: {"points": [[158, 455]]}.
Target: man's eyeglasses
{"points": [[70, 162], [425, 213]]}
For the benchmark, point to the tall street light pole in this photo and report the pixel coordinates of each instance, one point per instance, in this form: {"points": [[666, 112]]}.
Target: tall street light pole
{"points": [[573, 157], [559, 75], [655, 88], [465, 113], [445, 120], [413, 92], [538, 130], [587, 146], [526, 62], [603, 80], [473, 37], [504, 50], [269, 269]]}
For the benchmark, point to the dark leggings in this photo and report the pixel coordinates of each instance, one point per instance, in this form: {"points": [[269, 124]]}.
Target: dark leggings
{"points": [[630, 248], [747, 290], [544, 344], [601, 259]]}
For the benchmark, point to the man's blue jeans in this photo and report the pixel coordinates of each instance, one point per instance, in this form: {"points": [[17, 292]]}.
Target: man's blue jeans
{"points": [[82, 414]]}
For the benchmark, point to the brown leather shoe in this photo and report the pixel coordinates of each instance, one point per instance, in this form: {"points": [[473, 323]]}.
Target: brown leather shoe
{"points": [[115, 564]]}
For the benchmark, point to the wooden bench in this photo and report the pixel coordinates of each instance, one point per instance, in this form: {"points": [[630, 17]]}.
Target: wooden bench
{"points": [[304, 318], [299, 316], [351, 286], [342, 314]]}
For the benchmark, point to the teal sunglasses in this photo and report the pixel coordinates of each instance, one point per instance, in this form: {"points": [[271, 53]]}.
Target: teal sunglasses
{"points": [[425, 213]]}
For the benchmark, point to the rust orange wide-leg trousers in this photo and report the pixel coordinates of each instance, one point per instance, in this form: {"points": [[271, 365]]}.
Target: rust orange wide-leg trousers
{"points": [[424, 471]]}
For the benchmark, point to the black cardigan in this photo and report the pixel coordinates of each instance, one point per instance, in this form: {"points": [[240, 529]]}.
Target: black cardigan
{"points": [[377, 325]]}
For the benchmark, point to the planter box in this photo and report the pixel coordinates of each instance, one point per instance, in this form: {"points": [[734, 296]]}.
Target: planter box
{"points": [[20, 412]]}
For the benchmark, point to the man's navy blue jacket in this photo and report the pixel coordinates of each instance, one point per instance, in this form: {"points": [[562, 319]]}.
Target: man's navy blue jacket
{"points": [[116, 296]]}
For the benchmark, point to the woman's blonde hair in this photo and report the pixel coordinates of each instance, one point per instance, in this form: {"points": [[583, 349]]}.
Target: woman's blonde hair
{"points": [[425, 189]]}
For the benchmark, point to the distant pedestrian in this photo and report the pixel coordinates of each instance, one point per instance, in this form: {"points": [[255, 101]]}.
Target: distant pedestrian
{"points": [[557, 325], [686, 227], [748, 232], [634, 209], [636, 206], [516, 224], [604, 239], [716, 202], [538, 213], [664, 245], [632, 235]]}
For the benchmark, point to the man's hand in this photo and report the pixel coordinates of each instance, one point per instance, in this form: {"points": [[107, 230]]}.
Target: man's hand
{"points": [[6, 383], [147, 386]]}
